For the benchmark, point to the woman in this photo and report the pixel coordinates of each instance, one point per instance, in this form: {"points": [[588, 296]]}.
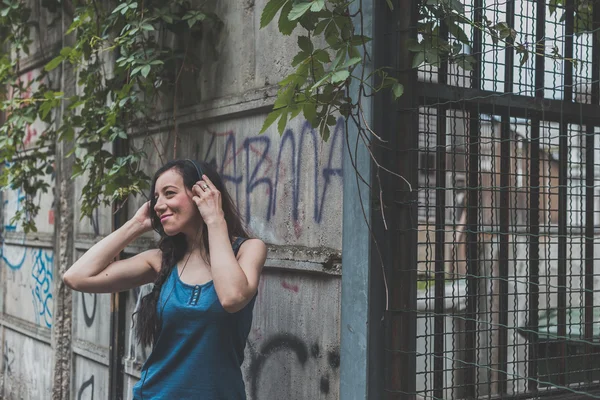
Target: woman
{"points": [[199, 312]]}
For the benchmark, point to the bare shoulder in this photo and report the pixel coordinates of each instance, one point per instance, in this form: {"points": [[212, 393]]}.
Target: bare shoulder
{"points": [[153, 257], [254, 247]]}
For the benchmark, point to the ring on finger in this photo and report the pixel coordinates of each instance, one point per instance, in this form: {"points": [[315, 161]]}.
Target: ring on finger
{"points": [[204, 187]]}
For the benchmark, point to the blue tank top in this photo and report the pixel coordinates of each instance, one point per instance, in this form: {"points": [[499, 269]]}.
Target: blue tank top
{"points": [[200, 348]]}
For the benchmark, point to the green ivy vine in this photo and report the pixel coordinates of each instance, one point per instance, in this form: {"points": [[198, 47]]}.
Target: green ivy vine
{"points": [[123, 68], [331, 49]]}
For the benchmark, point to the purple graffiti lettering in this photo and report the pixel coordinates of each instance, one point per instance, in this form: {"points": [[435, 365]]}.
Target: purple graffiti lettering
{"points": [[251, 180], [288, 167]]}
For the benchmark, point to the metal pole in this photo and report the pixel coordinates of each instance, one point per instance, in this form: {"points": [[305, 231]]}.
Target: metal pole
{"points": [[401, 130], [356, 244]]}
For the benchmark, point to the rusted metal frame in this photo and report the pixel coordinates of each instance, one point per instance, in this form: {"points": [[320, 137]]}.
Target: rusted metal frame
{"points": [[472, 228], [489, 102], [401, 328]]}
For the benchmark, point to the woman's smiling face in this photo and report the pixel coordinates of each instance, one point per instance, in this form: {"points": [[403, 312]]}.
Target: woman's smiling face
{"points": [[174, 205]]}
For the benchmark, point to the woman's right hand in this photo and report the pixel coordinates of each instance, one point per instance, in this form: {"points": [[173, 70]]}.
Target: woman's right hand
{"points": [[143, 217]]}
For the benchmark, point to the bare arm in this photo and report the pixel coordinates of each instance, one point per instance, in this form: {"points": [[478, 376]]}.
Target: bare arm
{"points": [[235, 279], [93, 272]]}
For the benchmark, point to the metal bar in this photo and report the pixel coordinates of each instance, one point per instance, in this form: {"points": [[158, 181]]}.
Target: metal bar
{"points": [[534, 255], [589, 246], [562, 251], [440, 235], [401, 331], [440, 243], [473, 271], [582, 393], [563, 194], [488, 102], [589, 198], [505, 157], [534, 201], [356, 341], [472, 256]]}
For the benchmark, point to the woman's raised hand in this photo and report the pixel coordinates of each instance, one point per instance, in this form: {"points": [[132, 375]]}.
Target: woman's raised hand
{"points": [[143, 217], [208, 200]]}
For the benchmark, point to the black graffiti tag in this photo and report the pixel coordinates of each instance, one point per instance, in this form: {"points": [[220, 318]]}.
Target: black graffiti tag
{"points": [[89, 318], [288, 342], [89, 383]]}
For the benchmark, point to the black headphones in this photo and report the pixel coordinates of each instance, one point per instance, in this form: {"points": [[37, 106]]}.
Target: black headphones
{"points": [[198, 168]]}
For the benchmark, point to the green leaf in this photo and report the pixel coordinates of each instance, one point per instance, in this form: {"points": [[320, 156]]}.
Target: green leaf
{"points": [[418, 59], [310, 113], [320, 82], [270, 10], [67, 134], [457, 6], [458, 33], [54, 63], [282, 123], [298, 58], [397, 90], [321, 56], [414, 46], [332, 35], [66, 51], [298, 10], [325, 132], [284, 97], [524, 58], [321, 25], [340, 76], [120, 7], [359, 40], [553, 4], [305, 44], [286, 27], [390, 5], [145, 70], [341, 54], [466, 62], [295, 110], [351, 62], [317, 5], [432, 56], [272, 117]]}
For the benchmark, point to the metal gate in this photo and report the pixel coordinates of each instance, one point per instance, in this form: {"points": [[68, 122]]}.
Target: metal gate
{"points": [[506, 246]]}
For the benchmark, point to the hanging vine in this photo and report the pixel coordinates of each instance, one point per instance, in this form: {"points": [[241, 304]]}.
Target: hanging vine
{"points": [[123, 69]]}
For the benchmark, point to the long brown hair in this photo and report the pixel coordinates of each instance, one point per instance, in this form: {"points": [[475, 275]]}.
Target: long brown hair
{"points": [[174, 247]]}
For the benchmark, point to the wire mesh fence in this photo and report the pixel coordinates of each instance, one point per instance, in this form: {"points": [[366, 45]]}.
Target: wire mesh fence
{"points": [[508, 298]]}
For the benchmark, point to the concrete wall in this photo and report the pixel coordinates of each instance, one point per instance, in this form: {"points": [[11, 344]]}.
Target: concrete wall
{"points": [[288, 188]]}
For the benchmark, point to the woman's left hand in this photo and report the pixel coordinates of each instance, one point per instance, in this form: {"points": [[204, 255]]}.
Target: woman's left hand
{"points": [[208, 200]]}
